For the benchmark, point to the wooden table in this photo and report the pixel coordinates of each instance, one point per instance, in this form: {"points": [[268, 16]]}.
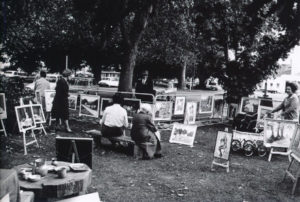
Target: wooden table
{"points": [[9, 184], [51, 186]]}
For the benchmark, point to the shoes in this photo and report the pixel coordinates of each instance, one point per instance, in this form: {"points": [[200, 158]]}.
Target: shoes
{"points": [[158, 155], [68, 130]]}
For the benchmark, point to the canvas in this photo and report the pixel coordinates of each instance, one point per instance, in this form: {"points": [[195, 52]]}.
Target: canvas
{"points": [[3, 111], [49, 97], [183, 134], [72, 101], [295, 145], [249, 105], [105, 102], [179, 106], [25, 117], [38, 113], [223, 143], [89, 105], [206, 104], [131, 105], [262, 113], [163, 110], [278, 133], [218, 106], [190, 113]]}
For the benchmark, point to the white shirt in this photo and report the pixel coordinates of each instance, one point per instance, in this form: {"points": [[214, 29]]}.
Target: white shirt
{"points": [[41, 85], [115, 116]]}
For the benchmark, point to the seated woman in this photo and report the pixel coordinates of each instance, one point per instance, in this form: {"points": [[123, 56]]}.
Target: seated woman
{"points": [[114, 119], [143, 131]]}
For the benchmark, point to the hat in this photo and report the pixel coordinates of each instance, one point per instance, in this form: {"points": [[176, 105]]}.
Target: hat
{"points": [[66, 72], [146, 108], [145, 73]]}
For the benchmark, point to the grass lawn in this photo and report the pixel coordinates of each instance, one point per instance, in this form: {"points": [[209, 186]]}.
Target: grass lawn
{"points": [[182, 174]]}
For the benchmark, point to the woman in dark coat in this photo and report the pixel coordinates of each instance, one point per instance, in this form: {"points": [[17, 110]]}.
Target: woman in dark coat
{"points": [[60, 107], [143, 131]]}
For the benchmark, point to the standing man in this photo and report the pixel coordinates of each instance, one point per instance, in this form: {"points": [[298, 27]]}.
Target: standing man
{"points": [[41, 85], [145, 85]]}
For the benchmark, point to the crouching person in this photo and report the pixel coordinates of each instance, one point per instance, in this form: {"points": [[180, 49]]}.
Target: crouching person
{"points": [[114, 120], [143, 133]]}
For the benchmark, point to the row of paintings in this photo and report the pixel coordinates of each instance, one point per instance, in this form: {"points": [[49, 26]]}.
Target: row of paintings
{"points": [[205, 105]]}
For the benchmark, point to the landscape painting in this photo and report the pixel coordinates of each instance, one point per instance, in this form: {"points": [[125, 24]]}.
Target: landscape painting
{"points": [[89, 105], [38, 113], [183, 134], [206, 104]]}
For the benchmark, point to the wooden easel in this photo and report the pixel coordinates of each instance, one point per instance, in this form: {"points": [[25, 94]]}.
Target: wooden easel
{"points": [[3, 128], [24, 135], [273, 151], [74, 153], [289, 173], [221, 163]]}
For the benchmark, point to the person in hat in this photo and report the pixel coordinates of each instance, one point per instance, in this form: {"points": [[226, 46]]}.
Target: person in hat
{"points": [[60, 107], [144, 85], [144, 131]]}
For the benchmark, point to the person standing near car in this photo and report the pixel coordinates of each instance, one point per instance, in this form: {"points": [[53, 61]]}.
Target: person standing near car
{"points": [[144, 85], [40, 86]]}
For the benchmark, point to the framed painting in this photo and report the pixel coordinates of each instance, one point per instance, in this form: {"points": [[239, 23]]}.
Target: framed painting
{"points": [[131, 105], [206, 104], [25, 117], [105, 102], [38, 114], [278, 133], [179, 106], [232, 110], [89, 105], [223, 143], [49, 97], [190, 113], [163, 110], [262, 113], [295, 144], [3, 110], [249, 105], [72, 101], [183, 134], [218, 106]]}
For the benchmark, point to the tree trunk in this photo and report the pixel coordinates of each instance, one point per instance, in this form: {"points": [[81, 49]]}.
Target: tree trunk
{"points": [[126, 76], [181, 80]]}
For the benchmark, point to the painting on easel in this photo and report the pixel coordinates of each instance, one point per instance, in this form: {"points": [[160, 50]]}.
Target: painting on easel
{"points": [[38, 113], [3, 112], [278, 133], [25, 117], [295, 145], [222, 147]]}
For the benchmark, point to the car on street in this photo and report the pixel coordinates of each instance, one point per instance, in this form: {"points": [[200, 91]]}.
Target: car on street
{"points": [[12, 73], [109, 82]]}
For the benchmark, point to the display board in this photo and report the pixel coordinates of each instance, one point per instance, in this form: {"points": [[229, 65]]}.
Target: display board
{"points": [[163, 110], [179, 106], [249, 105], [3, 110], [89, 105], [25, 118], [49, 97], [183, 134], [222, 146]]}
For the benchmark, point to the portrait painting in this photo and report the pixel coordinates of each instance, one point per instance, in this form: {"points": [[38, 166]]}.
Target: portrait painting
{"points": [[38, 114], [25, 117], [131, 105], [72, 101], [190, 113], [105, 102], [163, 110], [249, 105], [89, 105], [49, 97], [179, 106], [206, 104], [183, 134], [279, 133], [3, 111], [223, 143]]}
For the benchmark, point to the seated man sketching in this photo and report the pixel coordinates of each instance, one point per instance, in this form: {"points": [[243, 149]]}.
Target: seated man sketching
{"points": [[114, 119]]}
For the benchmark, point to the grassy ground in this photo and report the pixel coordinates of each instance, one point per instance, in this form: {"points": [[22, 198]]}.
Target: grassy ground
{"points": [[183, 174]]}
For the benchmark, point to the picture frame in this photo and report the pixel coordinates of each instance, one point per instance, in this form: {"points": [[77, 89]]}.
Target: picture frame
{"points": [[89, 105], [261, 114], [206, 104], [105, 102], [38, 113], [179, 106], [49, 97], [163, 110], [183, 134], [249, 105], [295, 144], [72, 99], [25, 118], [222, 146], [190, 113], [279, 133], [131, 105], [218, 106], [3, 109]]}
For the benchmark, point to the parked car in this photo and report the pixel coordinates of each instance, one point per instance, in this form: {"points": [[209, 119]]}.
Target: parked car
{"points": [[15, 74], [212, 84], [109, 82]]}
